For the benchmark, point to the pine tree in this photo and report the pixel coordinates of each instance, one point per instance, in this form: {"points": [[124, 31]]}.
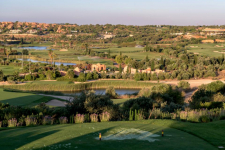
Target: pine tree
{"points": [[109, 54], [120, 69], [146, 59]]}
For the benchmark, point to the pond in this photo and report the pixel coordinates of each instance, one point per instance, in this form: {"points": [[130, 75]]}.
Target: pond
{"points": [[56, 63], [34, 47], [102, 91]]}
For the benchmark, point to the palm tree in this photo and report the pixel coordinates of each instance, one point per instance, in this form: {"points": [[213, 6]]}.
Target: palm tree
{"points": [[85, 46], [50, 54], [7, 53]]}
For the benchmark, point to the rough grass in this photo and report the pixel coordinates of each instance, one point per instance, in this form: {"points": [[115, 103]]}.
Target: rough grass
{"points": [[84, 136]]}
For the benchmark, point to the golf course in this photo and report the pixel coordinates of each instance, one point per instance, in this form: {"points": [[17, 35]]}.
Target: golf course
{"points": [[117, 135]]}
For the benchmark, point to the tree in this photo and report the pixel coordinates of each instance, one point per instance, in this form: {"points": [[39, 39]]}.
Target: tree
{"points": [[120, 69], [146, 59], [110, 91], [119, 59], [109, 54], [70, 74], [50, 54], [8, 52], [1, 75], [152, 65]]}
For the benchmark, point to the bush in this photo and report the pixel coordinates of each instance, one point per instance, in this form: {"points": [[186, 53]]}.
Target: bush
{"points": [[204, 119], [184, 85], [1, 75], [47, 120], [12, 122], [31, 121], [110, 91], [63, 120], [94, 117], [79, 118], [105, 116]]}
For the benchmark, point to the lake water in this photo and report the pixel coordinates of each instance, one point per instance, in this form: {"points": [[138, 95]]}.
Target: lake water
{"points": [[56, 63], [35, 47], [102, 91]]}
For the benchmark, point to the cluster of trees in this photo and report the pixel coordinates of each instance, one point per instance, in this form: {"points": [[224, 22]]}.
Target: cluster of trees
{"points": [[209, 96]]}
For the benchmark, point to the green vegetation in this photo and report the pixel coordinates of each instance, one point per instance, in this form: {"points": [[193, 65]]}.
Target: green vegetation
{"points": [[57, 86], [23, 99], [189, 136], [207, 49], [9, 70]]}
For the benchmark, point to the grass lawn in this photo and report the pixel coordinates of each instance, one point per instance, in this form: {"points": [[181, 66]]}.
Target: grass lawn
{"points": [[120, 101], [9, 70], [22, 99], [177, 135], [207, 49]]}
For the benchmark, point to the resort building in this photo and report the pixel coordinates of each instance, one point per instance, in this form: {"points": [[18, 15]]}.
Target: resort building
{"points": [[98, 67], [15, 31]]}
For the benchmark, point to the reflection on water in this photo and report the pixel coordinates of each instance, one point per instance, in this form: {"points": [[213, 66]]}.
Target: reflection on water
{"points": [[35, 47], [56, 63]]}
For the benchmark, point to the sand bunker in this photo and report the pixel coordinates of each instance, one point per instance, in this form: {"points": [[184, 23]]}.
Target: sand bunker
{"points": [[126, 134], [56, 103]]}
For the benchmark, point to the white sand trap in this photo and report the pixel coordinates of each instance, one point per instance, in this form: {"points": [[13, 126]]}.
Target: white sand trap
{"points": [[127, 134], [56, 103]]}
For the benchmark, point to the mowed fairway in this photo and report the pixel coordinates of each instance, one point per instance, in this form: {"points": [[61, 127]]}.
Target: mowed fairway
{"points": [[22, 99], [9, 70], [206, 136], [207, 49]]}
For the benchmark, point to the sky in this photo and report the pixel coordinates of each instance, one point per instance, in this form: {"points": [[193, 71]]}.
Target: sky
{"points": [[128, 12]]}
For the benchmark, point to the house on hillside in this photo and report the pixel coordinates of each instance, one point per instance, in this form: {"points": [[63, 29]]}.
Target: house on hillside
{"points": [[32, 31], [77, 71], [15, 31], [98, 67]]}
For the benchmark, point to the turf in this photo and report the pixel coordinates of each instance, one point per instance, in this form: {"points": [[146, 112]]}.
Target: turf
{"points": [[207, 49], [82, 136], [9, 70], [22, 99]]}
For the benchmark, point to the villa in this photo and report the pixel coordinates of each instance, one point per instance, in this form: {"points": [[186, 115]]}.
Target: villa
{"points": [[98, 67]]}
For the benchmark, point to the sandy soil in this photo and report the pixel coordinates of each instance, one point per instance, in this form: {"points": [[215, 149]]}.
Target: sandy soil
{"points": [[55, 102], [193, 83], [68, 98]]}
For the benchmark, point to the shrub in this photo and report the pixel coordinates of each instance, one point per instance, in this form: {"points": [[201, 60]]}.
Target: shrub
{"points": [[0, 124], [31, 121], [63, 120], [204, 119], [184, 85], [81, 77], [47, 120], [94, 117], [79, 118], [110, 91], [1, 75], [105, 116], [12, 122]]}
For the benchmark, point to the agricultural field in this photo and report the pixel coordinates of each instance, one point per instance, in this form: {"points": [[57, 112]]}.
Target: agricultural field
{"points": [[117, 135], [211, 49]]}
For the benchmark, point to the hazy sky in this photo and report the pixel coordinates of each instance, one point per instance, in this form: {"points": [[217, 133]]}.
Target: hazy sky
{"points": [[129, 12]]}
